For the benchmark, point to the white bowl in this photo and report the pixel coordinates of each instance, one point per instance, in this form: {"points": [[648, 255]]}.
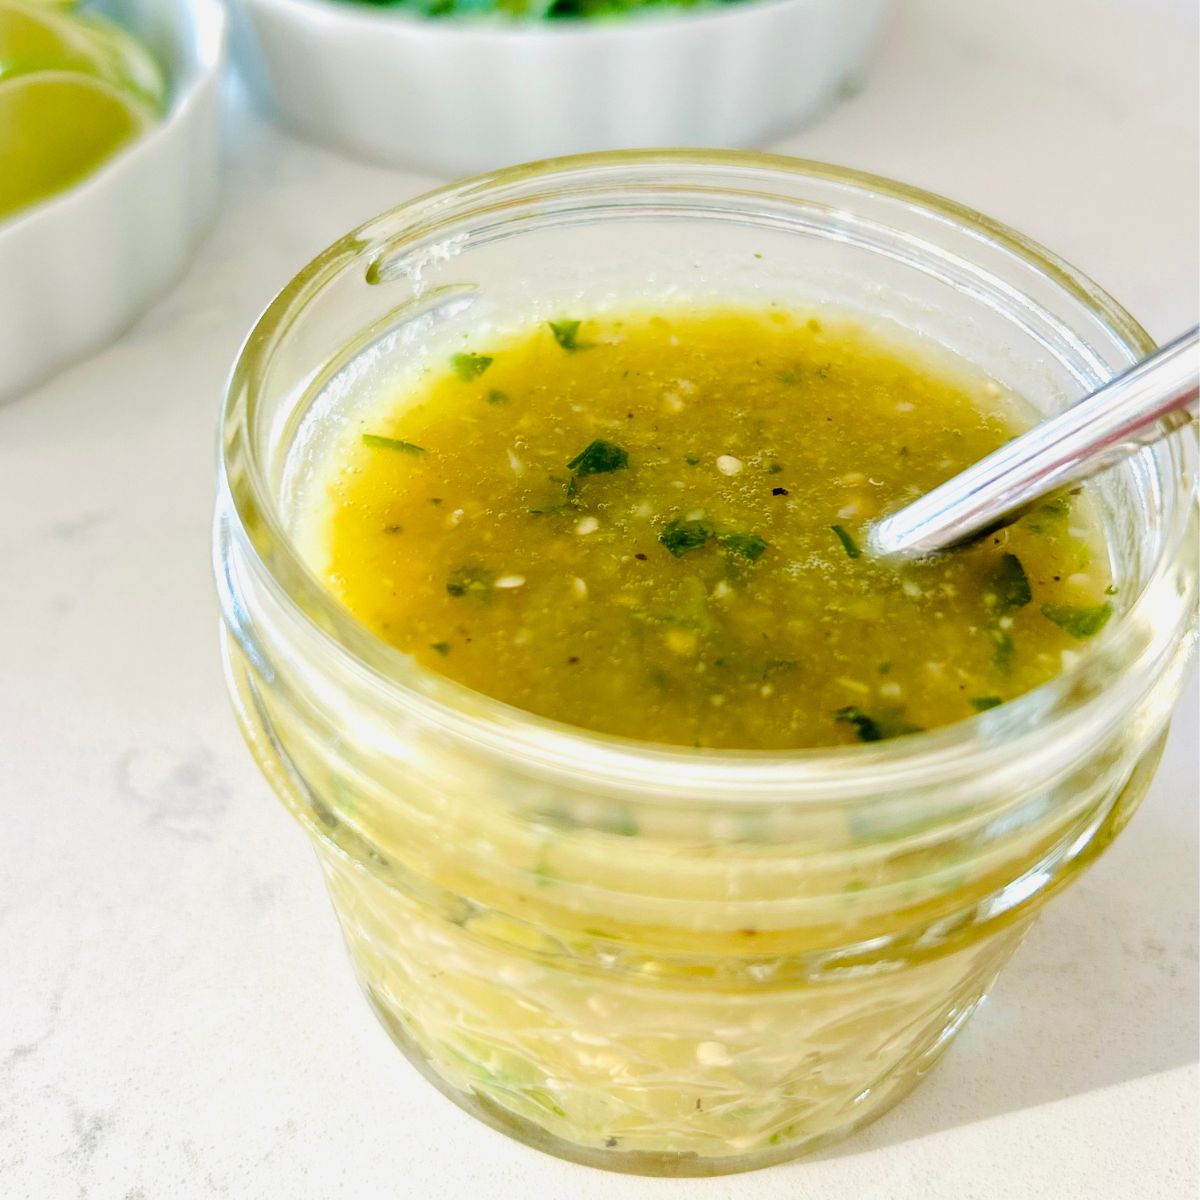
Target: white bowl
{"points": [[454, 96], [77, 268]]}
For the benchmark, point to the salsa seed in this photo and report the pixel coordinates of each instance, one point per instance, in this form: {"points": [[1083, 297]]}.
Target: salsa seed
{"points": [[853, 685]]}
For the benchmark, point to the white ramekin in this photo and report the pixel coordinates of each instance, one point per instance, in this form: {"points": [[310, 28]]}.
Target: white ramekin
{"points": [[455, 97], [78, 268]]}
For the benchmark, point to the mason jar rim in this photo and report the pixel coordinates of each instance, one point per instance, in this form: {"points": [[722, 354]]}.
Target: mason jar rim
{"points": [[1004, 741]]}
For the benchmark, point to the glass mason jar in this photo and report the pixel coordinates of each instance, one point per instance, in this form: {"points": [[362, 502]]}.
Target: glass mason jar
{"points": [[651, 958]]}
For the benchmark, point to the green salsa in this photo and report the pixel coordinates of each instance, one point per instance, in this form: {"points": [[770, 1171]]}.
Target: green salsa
{"points": [[653, 526]]}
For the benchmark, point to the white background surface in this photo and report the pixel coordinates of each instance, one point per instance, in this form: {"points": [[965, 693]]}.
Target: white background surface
{"points": [[176, 1014]]}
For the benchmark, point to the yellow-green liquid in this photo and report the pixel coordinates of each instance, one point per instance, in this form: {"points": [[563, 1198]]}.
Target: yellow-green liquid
{"points": [[704, 583]]}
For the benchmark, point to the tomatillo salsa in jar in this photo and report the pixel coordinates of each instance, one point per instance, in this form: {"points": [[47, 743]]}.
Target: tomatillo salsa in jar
{"points": [[668, 831]]}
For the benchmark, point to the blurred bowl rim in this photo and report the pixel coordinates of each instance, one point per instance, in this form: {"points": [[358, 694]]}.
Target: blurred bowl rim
{"points": [[401, 21], [208, 55]]}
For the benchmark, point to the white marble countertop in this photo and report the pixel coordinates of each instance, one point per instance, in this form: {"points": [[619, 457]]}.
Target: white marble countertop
{"points": [[176, 1014]]}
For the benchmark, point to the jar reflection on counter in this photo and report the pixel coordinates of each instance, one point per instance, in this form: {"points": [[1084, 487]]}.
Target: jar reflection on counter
{"points": [[642, 958]]}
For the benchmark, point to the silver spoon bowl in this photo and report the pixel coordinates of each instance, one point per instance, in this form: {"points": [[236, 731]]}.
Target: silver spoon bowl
{"points": [[1135, 409]]}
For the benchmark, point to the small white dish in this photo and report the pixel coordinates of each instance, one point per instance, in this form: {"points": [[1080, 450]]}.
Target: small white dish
{"points": [[79, 267], [456, 96]]}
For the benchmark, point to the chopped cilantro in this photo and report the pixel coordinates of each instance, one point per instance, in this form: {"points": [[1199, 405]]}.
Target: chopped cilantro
{"points": [[470, 366], [1004, 651], [598, 458], [848, 543], [747, 545], [876, 729], [692, 460], [787, 376], [1009, 586], [1079, 622], [864, 726], [1111, 590], [566, 334], [496, 396], [378, 442], [443, 648], [774, 665], [680, 537], [773, 468], [983, 703], [468, 579], [884, 668]]}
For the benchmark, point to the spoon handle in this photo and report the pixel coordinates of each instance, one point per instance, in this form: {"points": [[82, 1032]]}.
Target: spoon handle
{"points": [[1136, 408]]}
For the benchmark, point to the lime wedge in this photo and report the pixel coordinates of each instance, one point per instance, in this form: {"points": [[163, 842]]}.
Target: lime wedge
{"points": [[38, 37], [55, 127]]}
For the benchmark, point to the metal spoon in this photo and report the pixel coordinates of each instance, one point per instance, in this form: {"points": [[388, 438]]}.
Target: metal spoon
{"points": [[1135, 409]]}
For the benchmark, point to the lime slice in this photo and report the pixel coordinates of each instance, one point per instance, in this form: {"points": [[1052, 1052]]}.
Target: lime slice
{"points": [[37, 37], [55, 127]]}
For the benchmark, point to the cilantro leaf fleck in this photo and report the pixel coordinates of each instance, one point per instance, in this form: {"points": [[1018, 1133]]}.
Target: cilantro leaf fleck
{"points": [[1079, 622], [864, 726], [888, 724], [378, 442], [470, 366], [1009, 587], [1004, 651], [599, 458], [468, 580], [680, 537], [566, 334], [848, 543], [983, 703], [747, 545]]}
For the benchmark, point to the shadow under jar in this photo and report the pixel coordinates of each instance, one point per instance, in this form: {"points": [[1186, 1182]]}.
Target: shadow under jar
{"points": [[649, 958]]}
